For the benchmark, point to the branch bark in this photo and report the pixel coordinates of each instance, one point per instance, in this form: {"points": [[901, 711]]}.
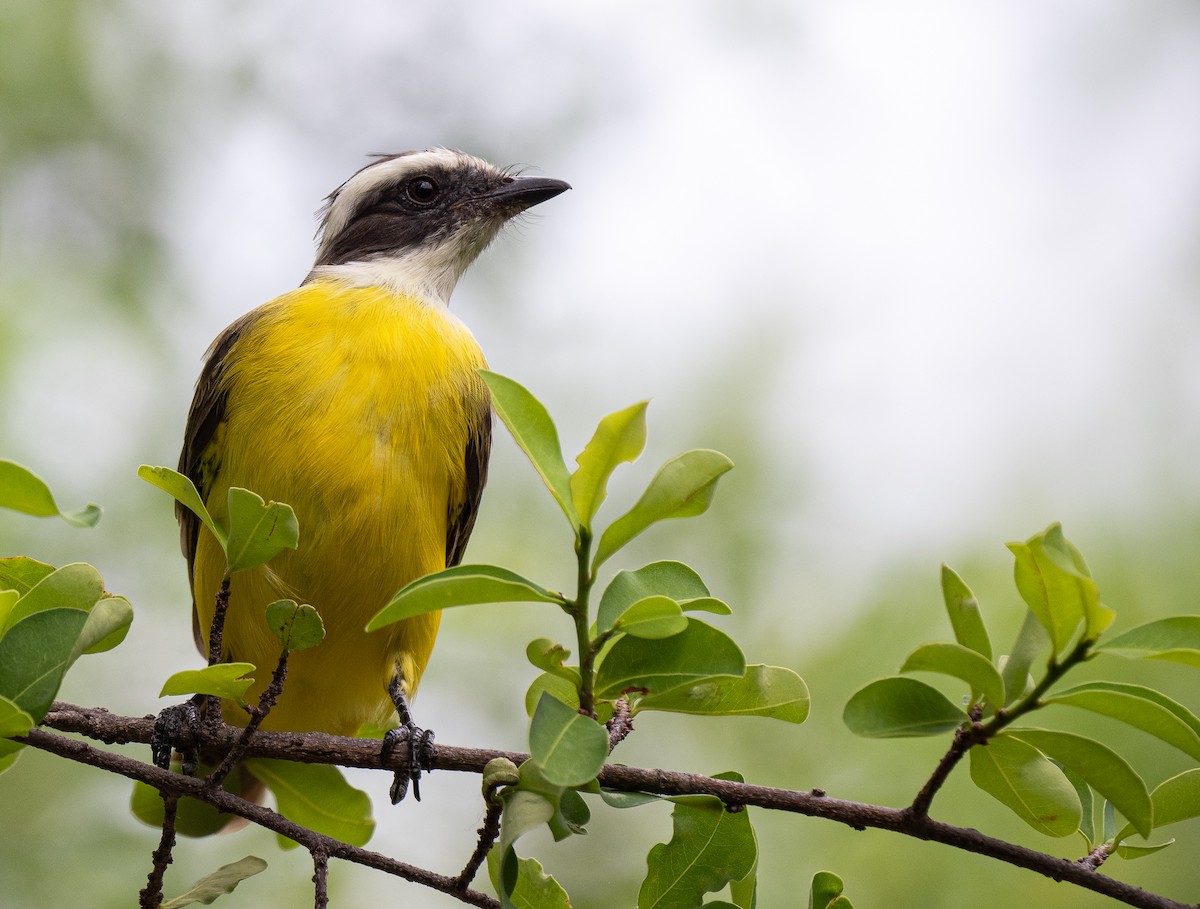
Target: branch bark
{"points": [[327, 749]]}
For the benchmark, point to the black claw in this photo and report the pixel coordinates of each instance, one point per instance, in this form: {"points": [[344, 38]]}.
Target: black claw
{"points": [[168, 729], [420, 759]]}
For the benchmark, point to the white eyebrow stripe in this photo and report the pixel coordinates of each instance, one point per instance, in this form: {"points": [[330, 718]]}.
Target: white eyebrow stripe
{"points": [[388, 170]]}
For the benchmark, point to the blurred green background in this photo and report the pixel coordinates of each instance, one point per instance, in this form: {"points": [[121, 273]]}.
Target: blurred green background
{"points": [[928, 273]]}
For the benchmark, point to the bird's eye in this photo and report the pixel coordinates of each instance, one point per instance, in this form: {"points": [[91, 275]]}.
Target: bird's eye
{"points": [[421, 190]]}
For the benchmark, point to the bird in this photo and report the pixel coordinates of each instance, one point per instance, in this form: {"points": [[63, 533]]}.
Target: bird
{"points": [[356, 399]]}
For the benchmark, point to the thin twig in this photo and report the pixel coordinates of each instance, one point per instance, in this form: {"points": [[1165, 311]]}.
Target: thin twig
{"points": [[620, 724], [487, 836], [320, 879], [216, 631], [179, 785], [151, 896], [257, 714]]}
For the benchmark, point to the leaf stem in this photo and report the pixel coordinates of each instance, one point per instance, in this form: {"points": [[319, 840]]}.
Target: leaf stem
{"points": [[579, 612]]}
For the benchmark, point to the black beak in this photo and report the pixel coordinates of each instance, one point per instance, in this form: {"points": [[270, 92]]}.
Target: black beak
{"points": [[519, 193]]}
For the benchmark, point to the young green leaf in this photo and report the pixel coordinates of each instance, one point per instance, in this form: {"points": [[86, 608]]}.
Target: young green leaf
{"points": [[699, 652], [547, 655], [1140, 707], [463, 585], [1176, 639], [13, 721], [899, 707], [106, 626], [1087, 804], [298, 627], [962, 663], [224, 880], [183, 491], [34, 655], [668, 579], [619, 438], [710, 846], [74, 586], [527, 886], [653, 618], [770, 691], [524, 810], [569, 747], [22, 574], [223, 680], [682, 488], [1031, 640], [571, 813], [562, 685], [1020, 777], [963, 609], [534, 432], [1128, 852], [317, 796], [825, 890], [258, 530], [24, 491], [1101, 767], [1177, 799]]}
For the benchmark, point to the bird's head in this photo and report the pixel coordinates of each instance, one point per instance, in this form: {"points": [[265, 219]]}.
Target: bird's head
{"points": [[415, 221]]}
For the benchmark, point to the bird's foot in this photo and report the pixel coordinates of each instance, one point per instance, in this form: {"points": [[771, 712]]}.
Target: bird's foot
{"points": [[169, 726], [420, 758]]}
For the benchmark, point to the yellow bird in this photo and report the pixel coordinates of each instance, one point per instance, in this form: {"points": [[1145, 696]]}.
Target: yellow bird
{"points": [[355, 399]]}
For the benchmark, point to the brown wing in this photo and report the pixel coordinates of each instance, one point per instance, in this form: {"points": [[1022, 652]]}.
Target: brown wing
{"points": [[462, 514], [196, 461]]}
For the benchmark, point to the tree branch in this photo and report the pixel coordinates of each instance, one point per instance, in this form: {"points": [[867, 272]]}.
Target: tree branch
{"points": [[328, 749]]}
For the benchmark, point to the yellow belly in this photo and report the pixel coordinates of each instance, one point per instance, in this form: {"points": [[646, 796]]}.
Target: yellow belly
{"points": [[353, 406]]}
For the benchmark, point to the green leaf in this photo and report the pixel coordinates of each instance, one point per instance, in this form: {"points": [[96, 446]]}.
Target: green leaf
{"points": [[75, 586], [570, 813], [1140, 707], [1020, 777], [258, 530], [898, 707], [561, 685], [770, 691], [698, 653], [1135, 852], [963, 609], [34, 655], [1054, 582], [183, 491], [223, 680], [619, 438], [710, 846], [1087, 805], [1177, 799], [1101, 767], [463, 585], [24, 491], [1031, 640], [193, 817], [317, 796], [106, 626], [682, 488], [297, 627], [826, 888], [569, 747], [22, 574], [534, 432], [653, 618], [959, 662], [1176, 639], [531, 887], [548, 656], [13, 722], [224, 880], [668, 579], [615, 799], [524, 810]]}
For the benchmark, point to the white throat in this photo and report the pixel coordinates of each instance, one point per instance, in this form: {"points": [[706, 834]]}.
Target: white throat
{"points": [[429, 275]]}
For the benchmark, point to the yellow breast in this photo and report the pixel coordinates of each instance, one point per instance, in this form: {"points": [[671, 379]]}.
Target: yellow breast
{"points": [[354, 406]]}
